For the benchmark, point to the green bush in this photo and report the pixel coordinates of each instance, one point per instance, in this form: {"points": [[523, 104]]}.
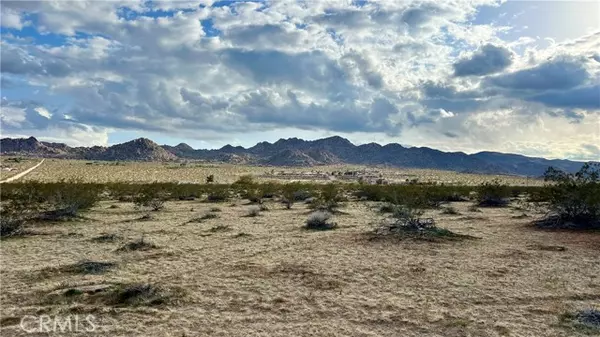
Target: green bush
{"points": [[574, 199], [10, 225], [319, 220], [152, 196], [493, 194], [218, 193]]}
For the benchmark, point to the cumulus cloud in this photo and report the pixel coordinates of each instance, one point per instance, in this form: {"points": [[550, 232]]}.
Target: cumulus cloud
{"points": [[392, 70], [488, 60], [559, 73]]}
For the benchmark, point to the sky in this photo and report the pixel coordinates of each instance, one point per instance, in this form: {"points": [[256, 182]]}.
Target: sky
{"points": [[458, 75]]}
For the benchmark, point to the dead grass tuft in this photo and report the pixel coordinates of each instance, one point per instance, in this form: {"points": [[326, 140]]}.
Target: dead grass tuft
{"points": [[139, 244]]}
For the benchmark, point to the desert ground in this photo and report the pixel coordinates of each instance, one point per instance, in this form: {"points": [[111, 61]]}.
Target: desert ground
{"points": [[196, 172], [230, 274], [14, 165]]}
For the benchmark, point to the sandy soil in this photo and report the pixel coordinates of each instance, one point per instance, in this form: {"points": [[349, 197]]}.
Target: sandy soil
{"points": [[194, 172], [15, 168], [278, 279]]}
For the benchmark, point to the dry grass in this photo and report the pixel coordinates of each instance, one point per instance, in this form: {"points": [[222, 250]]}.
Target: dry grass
{"points": [[9, 167], [196, 172], [267, 276]]}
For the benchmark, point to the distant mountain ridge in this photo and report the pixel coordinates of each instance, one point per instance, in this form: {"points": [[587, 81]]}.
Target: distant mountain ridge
{"points": [[298, 152]]}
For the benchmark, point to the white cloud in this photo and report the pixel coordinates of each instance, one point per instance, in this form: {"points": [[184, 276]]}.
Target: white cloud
{"points": [[384, 69]]}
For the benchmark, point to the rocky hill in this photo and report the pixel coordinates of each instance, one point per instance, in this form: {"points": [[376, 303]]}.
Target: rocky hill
{"points": [[139, 149], [298, 152]]}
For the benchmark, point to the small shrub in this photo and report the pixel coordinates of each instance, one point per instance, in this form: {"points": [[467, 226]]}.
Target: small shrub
{"points": [[146, 217], [139, 295], [210, 179], [450, 210], [319, 220], [139, 244], [152, 196], [586, 321], [386, 208], [406, 223], [220, 228], [10, 225], [215, 209], [493, 194], [253, 211], [474, 208], [218, 194], [204, 217], [574, 199], [290, 194], [106, 238], [89, 267], [156, 204]]}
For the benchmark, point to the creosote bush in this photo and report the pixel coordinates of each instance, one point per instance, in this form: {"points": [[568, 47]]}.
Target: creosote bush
{"points": [[450, 210], [152, 196], [10, 225], [319, 220], [407, 223], [493, 194], [139, 244], [573, 199], [253, 211], [204, 217]]}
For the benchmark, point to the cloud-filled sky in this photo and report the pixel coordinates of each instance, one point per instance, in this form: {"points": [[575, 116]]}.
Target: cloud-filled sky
{"points": [[457, 75]]}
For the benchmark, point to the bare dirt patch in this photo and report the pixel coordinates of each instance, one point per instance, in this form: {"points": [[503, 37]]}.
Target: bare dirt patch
{"points": [[269, 274]]}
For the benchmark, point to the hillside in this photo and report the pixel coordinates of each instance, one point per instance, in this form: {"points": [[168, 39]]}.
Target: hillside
{"points": [[298, 152]]}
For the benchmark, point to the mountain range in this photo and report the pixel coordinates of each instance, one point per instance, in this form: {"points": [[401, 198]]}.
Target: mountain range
{"points": [[298, 152]]}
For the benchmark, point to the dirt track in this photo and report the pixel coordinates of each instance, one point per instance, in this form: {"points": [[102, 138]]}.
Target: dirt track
{"points": [[19, 175]]}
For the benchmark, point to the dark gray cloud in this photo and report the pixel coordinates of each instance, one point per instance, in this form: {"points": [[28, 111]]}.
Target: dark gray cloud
{"points": [[487, 60], [421, 14], [262, 36], [587, 97], [307, 70], [558, 73], [258, 107]]}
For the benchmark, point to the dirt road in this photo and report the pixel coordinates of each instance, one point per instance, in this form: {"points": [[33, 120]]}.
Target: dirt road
{"points": [[19, 175]]}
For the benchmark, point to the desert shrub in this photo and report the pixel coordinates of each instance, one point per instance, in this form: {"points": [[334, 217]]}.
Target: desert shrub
{"points": [[586, 321], [215, 209], [493, 194], [329, 198], [139, 244], [88, 267], [319, 220], [288, 194], [10, 225], [65, 199], [474, 208], [204, 217], [218, 193], [254, 195], [106, 238], [450, 210], [407, 223], [386, 208], [139, 294], [253, 211], [268, 190], [152, 196], [210, 179], [245, 180], [574, 198], [219, 228]]}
